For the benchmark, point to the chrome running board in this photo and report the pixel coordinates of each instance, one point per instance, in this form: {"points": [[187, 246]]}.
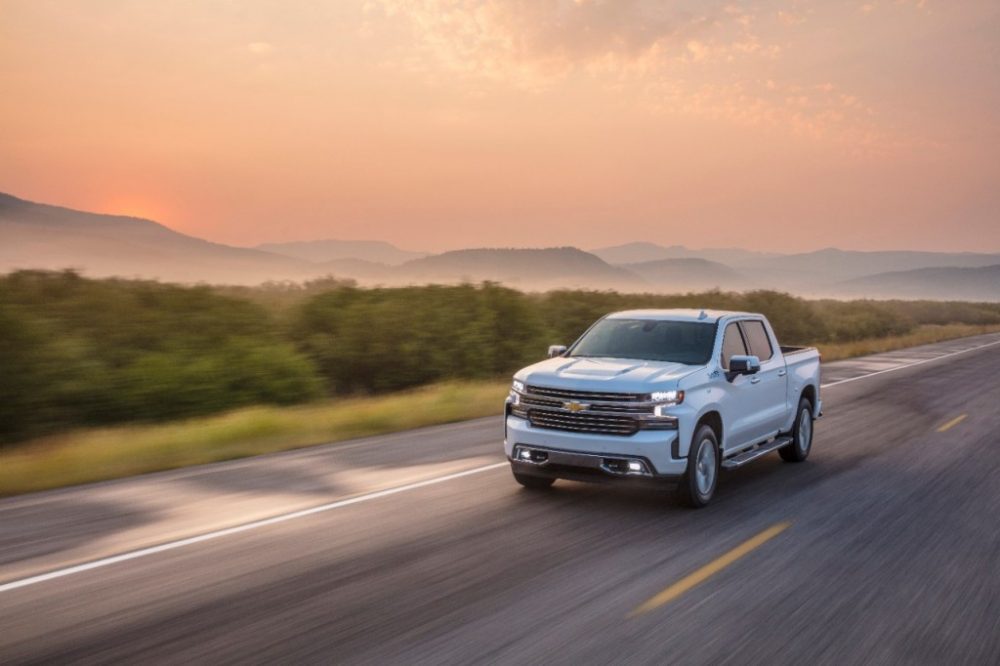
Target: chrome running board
{"points": [[749, 456]]}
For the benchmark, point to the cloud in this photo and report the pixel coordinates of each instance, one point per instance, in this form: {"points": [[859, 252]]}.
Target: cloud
{"points": [[260, 48], [505, 38], [790, 17], [821, 112], [869, 7], [714, 60]]}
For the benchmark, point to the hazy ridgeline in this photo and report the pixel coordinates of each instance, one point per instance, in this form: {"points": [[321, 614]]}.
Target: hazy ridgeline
{"points": [[80, 352]]}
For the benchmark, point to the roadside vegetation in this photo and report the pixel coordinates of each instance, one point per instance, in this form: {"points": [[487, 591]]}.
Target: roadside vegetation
{"points": [[97, 454], [104, 378]]}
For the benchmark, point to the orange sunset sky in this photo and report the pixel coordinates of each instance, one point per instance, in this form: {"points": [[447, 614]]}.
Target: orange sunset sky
{"points": [[435, 124]]}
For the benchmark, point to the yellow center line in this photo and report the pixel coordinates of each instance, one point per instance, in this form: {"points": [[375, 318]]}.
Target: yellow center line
{"points": [[710, 569], [951, 424]]}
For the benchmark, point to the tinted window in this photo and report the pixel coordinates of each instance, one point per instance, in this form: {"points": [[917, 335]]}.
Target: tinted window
{"points": [[649, 340], [732, 345], [760, 344]]}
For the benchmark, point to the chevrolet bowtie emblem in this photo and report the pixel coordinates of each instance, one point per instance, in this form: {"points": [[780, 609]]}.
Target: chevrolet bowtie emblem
{"points": [[575, 406]]}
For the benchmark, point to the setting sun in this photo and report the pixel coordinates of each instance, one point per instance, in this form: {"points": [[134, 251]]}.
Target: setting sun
{"points": [[131, 206]]}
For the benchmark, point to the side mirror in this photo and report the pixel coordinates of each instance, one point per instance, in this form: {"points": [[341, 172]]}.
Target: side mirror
{"points": [[556, 350], [744, 365]]}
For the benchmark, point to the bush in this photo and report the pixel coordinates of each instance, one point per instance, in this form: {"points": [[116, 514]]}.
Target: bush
{"points": [[88, 352], [385, 339], [855, 320], [81, 352]]}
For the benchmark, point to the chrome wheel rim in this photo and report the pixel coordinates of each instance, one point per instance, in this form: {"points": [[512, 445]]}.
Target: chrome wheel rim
{"points": [[805, 430], [705, 467]]}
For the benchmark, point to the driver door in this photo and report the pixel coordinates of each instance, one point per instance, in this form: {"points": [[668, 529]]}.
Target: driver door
{"points": [[740, 405]]}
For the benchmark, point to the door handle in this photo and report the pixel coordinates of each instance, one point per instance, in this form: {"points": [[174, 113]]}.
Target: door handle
{"points": [[782, 373], [755, 380]]}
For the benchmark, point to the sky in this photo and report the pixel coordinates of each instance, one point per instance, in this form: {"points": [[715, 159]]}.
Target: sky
{"points": [[785, 125]]}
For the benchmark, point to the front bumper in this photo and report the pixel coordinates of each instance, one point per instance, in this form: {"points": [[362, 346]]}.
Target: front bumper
{"points": [[592, 457], [589, 469]]}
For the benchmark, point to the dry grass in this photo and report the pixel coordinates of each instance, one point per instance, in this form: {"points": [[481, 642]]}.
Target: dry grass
{"points": [[93, 455], [921, 336]]}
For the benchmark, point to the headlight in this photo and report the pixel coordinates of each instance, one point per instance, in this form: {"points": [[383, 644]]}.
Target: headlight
{"points": [[666, 400], [517, 390], [670, 397]]}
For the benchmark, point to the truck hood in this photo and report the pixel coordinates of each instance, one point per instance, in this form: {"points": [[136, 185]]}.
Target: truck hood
{"points": [[605, 374]]}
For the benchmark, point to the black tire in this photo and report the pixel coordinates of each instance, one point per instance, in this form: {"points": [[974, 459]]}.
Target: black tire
{"points": [[690, 492], [802, 434], [534, 482]]}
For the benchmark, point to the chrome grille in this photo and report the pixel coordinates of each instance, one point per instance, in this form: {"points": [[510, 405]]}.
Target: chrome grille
{"points": [[583, 422], [528, 400]]}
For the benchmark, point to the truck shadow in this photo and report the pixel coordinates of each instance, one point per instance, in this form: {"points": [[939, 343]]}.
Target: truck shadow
{"points": [[763, 482], [36, 529]]}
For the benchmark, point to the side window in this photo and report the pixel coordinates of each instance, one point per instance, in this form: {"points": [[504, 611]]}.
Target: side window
{"points": [[760, 344], [732, 344]]}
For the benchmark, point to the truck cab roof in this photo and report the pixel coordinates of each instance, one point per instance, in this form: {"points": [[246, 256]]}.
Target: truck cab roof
{"points": [[680, 314]]}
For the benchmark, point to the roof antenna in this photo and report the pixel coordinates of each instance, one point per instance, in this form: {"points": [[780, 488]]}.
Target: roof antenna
{"points": [[702, 315]]}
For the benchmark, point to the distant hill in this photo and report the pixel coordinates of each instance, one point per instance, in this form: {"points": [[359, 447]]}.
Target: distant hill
{"points": [[799, 271], [359, 269], [967, 284], [832, 265], [378, 252], [687, 274], [527, 269], [34, 235], [641, 252], [41, 236]]}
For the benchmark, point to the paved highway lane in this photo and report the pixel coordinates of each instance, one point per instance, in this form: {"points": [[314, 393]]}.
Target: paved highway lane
{"points": [[882, 547]]}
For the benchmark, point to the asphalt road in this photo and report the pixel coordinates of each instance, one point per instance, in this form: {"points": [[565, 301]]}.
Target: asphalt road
{"points": [[418, 548]]}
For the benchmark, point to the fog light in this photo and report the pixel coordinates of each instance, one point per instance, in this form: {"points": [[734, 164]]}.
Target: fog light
{"points": [[634, 466], [525, 454]]}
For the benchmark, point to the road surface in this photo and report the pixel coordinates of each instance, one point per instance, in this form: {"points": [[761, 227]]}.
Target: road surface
{"points": [[419, 548]]}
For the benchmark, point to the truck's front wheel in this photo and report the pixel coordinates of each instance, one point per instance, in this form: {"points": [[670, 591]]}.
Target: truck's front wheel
{"points": [[697, 486]]}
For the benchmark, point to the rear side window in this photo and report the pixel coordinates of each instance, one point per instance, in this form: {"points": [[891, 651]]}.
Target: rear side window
{"points": [[732, 344], [760, 344]]}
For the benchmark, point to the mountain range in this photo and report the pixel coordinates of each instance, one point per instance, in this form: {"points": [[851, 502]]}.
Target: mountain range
{"points": [[974, 284], [644, 251], [41, 236], [330, 250], [35, 235]]}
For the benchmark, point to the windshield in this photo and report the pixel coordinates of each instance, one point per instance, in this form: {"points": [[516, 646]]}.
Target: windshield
{"points": [[685, 342]]}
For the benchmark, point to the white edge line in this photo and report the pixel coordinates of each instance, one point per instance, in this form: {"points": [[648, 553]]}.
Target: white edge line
{"points": [[208, 536], [910, 365]]}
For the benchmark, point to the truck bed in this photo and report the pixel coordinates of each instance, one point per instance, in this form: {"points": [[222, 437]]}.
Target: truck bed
{"points": [[787, 351]]}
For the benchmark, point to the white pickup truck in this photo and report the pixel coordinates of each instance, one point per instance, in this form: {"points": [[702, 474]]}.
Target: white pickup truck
{"points": [[662, 396]]}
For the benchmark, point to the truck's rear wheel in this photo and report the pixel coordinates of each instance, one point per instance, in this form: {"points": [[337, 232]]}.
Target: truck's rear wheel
{"points": [[697, 486], [534, 482], [802, 434]]}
